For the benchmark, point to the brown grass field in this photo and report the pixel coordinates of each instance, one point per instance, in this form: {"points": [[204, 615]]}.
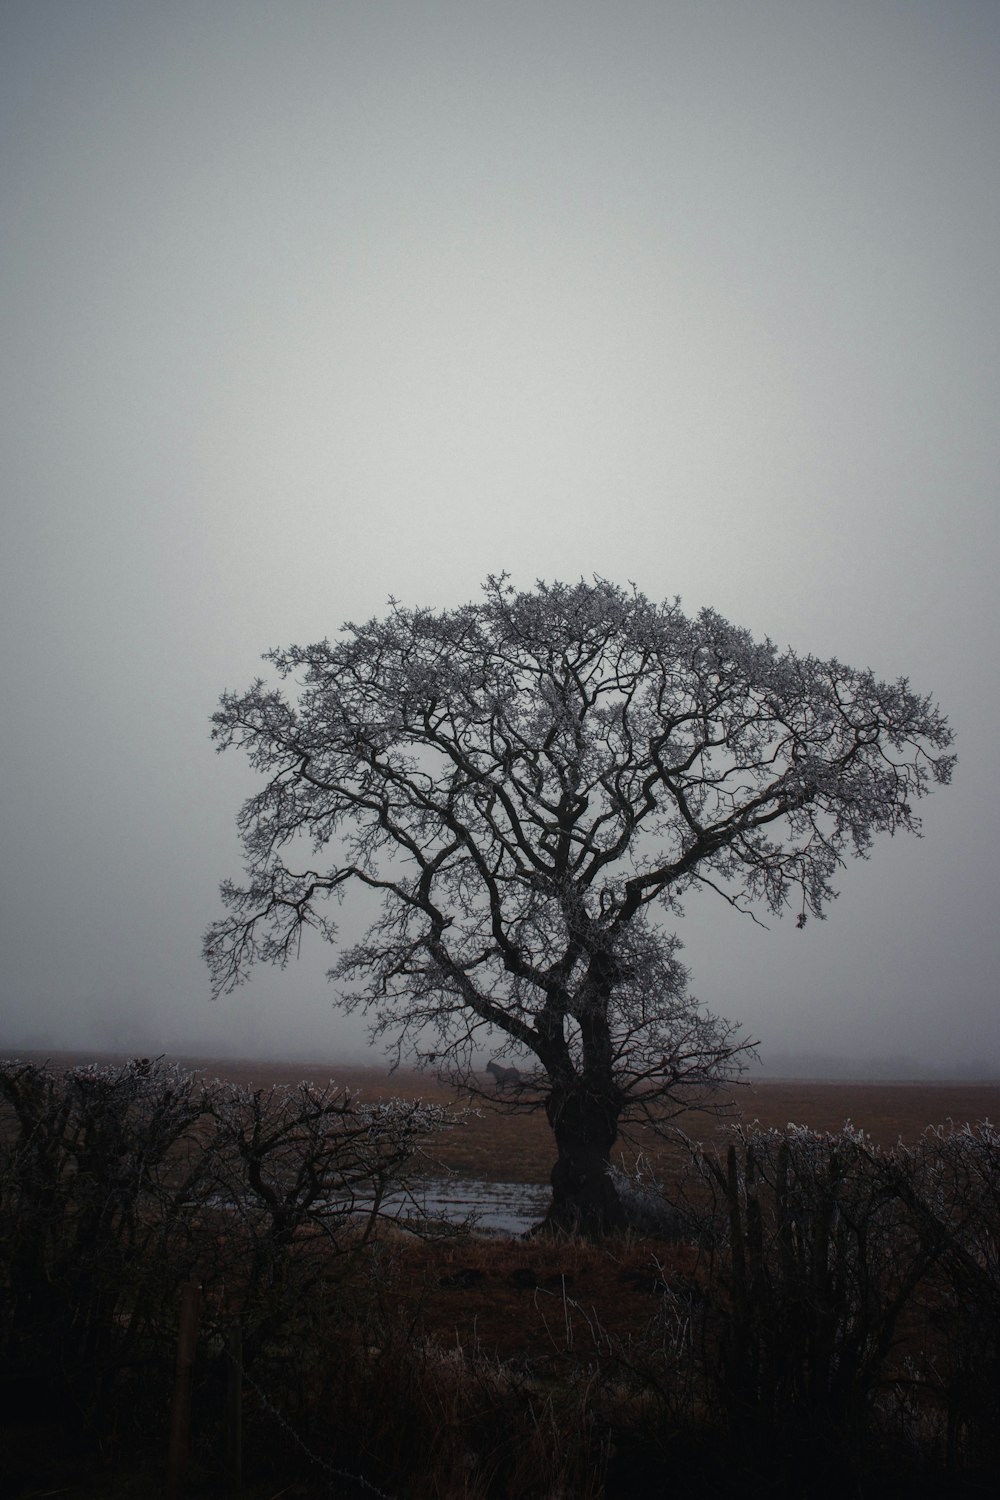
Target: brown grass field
{"points": [[494, 1145]]}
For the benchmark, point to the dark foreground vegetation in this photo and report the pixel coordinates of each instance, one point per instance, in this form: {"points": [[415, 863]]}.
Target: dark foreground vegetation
{"points": [[797, 1314]]}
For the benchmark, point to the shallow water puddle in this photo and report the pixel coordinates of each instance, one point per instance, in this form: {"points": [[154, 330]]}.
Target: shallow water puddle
{"points": [[499, 1207]]}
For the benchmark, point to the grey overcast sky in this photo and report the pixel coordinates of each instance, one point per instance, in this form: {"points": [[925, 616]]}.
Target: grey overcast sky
{"points": [[307, 304]]}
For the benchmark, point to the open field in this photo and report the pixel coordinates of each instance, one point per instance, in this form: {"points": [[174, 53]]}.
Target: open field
{"points": [[497, 1146]]}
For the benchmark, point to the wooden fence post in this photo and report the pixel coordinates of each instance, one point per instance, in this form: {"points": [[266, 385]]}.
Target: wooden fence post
{"points": [[180, 1417], [234, 1402]]}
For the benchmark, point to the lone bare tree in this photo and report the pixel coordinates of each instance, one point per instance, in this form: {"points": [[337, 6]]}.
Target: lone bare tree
{"points": [[526, 781]]}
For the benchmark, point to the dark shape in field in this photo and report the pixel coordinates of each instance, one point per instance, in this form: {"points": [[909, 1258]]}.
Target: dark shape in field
{"points": [[504, 1078]]}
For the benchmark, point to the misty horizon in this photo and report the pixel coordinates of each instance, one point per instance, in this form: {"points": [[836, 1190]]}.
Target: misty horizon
{"points": [[778, 1066]]}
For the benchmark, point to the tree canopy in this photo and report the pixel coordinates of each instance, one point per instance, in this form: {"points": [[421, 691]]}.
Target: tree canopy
{"points": [[530, 782]]}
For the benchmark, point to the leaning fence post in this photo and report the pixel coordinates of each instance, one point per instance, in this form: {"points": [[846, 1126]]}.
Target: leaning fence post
{"points": [[180, 1417], [234, 1402]]}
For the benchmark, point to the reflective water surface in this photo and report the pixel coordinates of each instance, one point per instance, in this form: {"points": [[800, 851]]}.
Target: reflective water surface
{"points": [[499, 1207]]}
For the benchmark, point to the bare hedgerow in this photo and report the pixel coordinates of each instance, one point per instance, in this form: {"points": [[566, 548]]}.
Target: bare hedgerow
{"points": [[305, 1174], [120, 1184], [97, 1169], [950, 1186], [806, 1300]]}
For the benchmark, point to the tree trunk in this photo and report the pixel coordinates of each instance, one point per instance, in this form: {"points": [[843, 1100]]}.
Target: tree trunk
{"points": [[584, 1198]]}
